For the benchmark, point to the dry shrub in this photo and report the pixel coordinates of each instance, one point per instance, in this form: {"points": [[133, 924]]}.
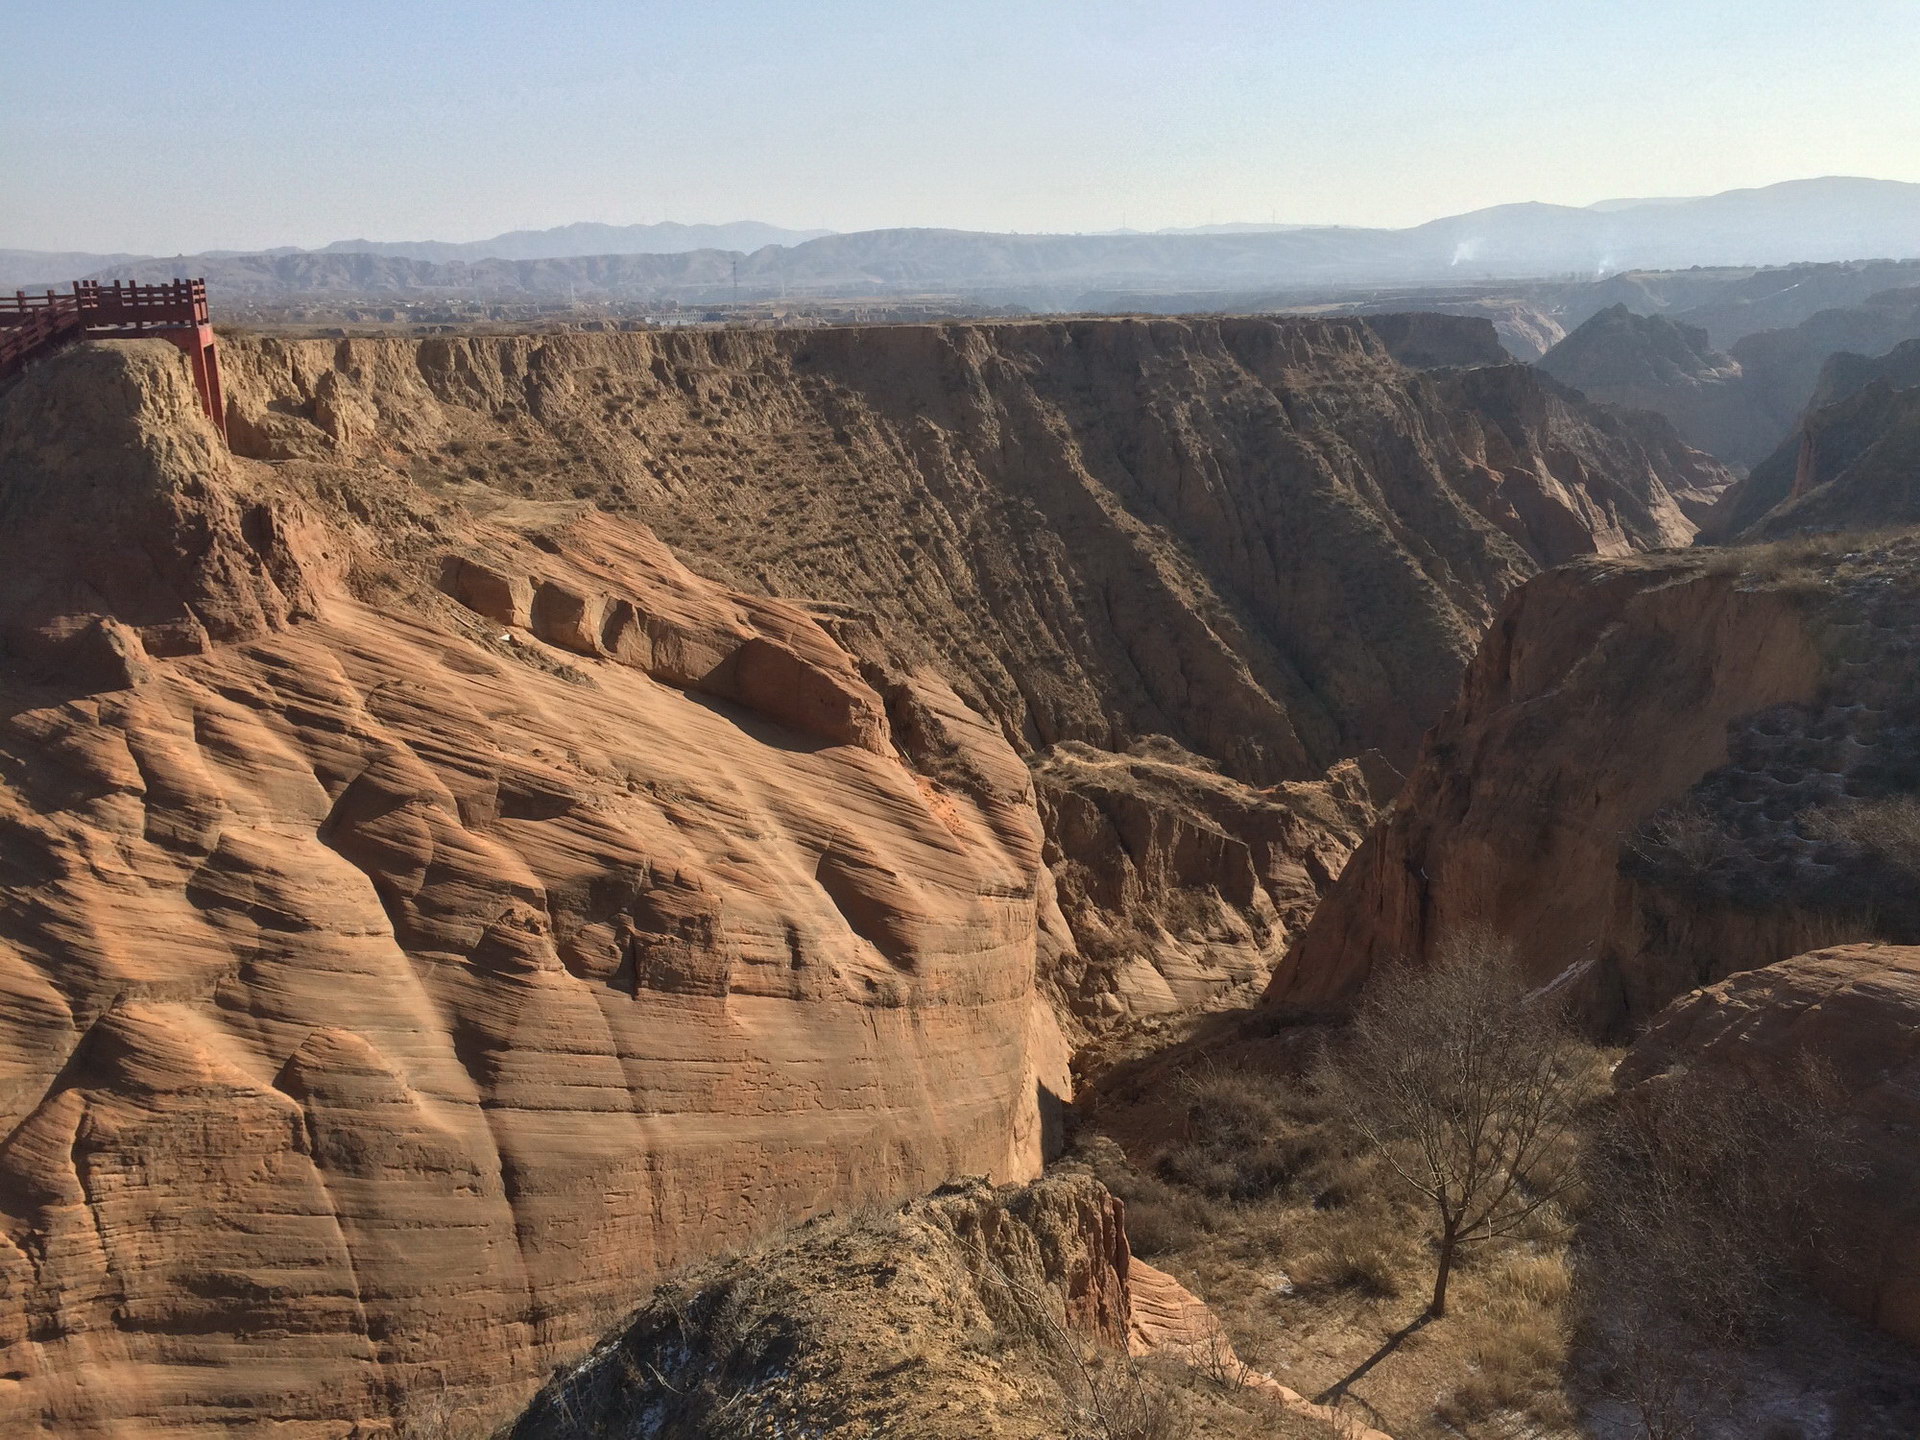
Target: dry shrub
{"points": [[1525, 1283], [1801, 557], [1710, 1196], [444, 1415], [1709, 1193], [1162, 1220], [1342, 1177], [1106, 1396], [1683, 844], [1122, 1400], [1364, 1248], [1241, 1144]]}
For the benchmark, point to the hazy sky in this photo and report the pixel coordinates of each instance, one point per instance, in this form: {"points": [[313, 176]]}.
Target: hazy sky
{"points": [[195, 124]]}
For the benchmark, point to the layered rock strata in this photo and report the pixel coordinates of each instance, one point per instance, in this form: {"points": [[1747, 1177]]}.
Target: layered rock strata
{"points": [[1850, 465], [394, 979], [1741, 404], [1156, 855], [430, 908], [1263, 538]]}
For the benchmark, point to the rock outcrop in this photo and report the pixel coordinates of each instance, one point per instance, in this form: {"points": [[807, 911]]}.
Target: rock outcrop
{"points": [[396, 977], [1853, 1012], [1650, 362], [1660, 772], [1156, 855], [975, 1314], [1428, 340], [938, 1320], [1265, 539], [1853, 463]]}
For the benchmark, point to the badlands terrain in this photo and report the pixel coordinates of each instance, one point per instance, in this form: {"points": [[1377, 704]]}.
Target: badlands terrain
{"points": [[806, 881]]}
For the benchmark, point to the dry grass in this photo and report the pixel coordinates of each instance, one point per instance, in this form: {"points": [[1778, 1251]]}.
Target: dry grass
{"points": [[1367, 1249], [1313, 1261], [1516, 1342], [1886, 829], [1799, 558], [1319, 1276], [1238, 1144], [442, 1415]]}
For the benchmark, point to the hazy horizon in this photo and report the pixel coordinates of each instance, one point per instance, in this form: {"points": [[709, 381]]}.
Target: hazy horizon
{"points": [[1620, 202], [222, 126]]}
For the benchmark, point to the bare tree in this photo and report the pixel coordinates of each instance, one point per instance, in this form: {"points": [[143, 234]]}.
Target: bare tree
{"points": [[1468, 1087]]}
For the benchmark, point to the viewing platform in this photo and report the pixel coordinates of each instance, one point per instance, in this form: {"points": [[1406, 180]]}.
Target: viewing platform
{"points": [[36, 325]]}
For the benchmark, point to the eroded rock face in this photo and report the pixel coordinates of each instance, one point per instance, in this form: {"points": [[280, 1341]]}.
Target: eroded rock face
{"points": [[1854, 1011], [1264, 538], [1603, 693], [1267, 540], [1660, 772], [431, 908], [401, 973], [1651, 362], [975, 1314], [1430, 341], [1154, 854], [1849, 465], [106, 474], [1742, 404]]}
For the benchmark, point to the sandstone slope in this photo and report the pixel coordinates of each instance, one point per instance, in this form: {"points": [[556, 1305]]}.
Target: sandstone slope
{"points": [[431, 908], [1660, 772], [1854, 1012], [391, 981], [1264, 538]]}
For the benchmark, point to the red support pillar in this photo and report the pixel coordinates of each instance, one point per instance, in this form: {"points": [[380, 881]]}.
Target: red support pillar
{"points": [[198, 344]]}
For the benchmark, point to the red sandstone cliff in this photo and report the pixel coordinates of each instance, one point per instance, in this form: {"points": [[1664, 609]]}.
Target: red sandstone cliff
{"points": [[392, 980], [1264, 539]]}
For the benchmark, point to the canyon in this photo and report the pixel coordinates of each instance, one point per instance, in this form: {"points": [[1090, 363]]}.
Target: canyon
{"points": [[521, 814], [537, 810], [1738, 405]]}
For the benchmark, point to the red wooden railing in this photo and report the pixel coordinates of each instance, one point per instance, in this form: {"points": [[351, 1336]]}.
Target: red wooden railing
{"points": [[33, 325]]}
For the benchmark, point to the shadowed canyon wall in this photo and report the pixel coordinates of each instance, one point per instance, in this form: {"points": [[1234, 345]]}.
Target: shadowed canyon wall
{"points": [[1661, 771], [1266, 539]]}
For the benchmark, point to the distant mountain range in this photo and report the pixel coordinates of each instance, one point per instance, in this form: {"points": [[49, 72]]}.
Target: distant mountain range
{"points": [[1835, 218], [568, 241]]}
